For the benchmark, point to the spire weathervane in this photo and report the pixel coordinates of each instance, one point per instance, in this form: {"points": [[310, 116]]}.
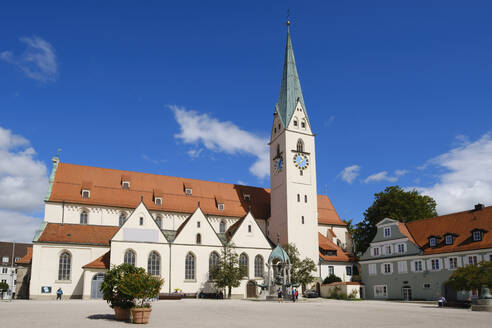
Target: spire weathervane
{"points": [[288, 18]]}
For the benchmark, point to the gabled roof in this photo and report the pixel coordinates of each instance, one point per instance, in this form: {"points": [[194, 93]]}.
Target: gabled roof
{"points": [[462, 224], [326, 244], [26, 259], [77, 234], [102, 262], [107, 191], [6, 250], [290, 87]]}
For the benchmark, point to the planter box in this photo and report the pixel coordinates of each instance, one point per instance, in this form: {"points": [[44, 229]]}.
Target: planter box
{"points": [[121, 314], [141, 315]]}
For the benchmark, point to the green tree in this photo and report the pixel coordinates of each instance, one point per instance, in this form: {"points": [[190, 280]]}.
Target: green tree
{"points": [[472, 277], [141, 287], [331, 278], [228, 273], [4, 287], [112, 281], [394, 203], [301, 270]]}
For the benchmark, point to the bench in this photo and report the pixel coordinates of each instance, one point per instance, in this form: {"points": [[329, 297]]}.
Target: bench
{"points": [[167, 296]]}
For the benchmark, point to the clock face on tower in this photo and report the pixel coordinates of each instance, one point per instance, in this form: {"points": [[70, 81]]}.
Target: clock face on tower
{"points": [[301, 161], [278, 163]]}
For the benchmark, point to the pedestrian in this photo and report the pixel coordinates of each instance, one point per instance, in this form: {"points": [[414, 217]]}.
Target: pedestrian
{"points": [[59, 294], [279, 295], [293, 295], [297, 295]]}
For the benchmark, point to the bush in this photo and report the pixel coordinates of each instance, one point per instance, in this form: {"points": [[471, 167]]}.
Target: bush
{"points": [[331, 278], [111, 283], [140, 287], [4, 287]]}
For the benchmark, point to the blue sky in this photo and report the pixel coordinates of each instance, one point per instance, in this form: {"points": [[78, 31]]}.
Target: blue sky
{"points": [[396, 87]]}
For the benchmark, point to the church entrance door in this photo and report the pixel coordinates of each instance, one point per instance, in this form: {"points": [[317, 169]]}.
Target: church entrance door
{"points": [[251, 289]]}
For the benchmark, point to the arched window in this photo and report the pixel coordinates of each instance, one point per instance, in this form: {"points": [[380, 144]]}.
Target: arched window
{"points": [[190, 267], [303, 124], [84, 217], [158, 220], [64, 266], [278, 150], [122, 219], [198, 238], [222, 226], [258, 266], [154, 264], [213, 260], [296, 124], [243, 263], [130, 257], [300, 145]]}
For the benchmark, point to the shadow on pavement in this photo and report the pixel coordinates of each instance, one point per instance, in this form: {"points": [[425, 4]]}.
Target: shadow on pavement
{"points": [[101, 317]]}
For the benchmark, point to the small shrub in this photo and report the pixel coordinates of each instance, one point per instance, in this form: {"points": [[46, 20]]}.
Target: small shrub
{"points": [[141, 287], [353, 294], [111, 283]]}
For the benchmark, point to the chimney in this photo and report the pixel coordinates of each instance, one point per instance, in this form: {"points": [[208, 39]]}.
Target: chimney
{"points": [[479, 207]]}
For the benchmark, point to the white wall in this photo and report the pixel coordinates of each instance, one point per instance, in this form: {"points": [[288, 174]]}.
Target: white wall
{"points": [[339, 268]]}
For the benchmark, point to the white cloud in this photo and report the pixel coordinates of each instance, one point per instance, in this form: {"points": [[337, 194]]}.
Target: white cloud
{"points": [[194, 153], [23, 185], [349, 173], [467, 179], [384, 176], [153, 160], [18, 226], [38, 61], [223, 137]]}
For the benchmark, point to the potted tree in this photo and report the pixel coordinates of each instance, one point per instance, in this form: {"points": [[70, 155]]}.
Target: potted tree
{"points": [[141, 287], [121, 303]]}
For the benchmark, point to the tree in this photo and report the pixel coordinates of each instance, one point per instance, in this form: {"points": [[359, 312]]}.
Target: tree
{"points": [[331, 278], [394, 203], [228, 273], [4, 287], [472, 277], [112, 281], [301, 271]]}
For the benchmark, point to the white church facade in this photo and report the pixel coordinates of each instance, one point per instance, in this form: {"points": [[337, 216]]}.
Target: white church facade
{"points": [[175, 227]]}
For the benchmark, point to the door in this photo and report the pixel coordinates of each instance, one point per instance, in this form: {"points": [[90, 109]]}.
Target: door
{"points": [[251, 289], [96, 286], [407, 293]]}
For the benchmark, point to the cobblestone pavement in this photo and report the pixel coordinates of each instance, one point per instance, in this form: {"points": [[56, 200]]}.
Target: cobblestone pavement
{"points": [[240, 313]]}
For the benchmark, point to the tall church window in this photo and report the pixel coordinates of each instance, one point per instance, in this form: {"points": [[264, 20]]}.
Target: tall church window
{"points": [[243, 263], [129, 257], [302, 219], [278, 150], [190, 267], [305, 198], [64, 266], [298, 197], [198, 239], [213, 260], [300, 146], [158, 220], [259, 266], [154, 264], [122, 219], [222, 227], [84, 217]]}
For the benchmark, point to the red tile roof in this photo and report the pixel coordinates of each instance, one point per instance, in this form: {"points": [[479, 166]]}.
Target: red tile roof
{"points": [[102, 262], [77, 234], [326, 244], [26, 259], [106, 190], [461, 224]]}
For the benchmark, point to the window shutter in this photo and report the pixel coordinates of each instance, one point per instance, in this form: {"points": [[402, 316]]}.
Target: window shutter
{"points": [[429, 265], [423, 265], [465, 260], [446, 263], [458, 262], [382, 268], [391, 267], [412, 266], [479, 258]]}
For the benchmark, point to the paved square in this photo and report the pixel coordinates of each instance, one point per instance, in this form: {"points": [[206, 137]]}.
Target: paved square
{"points": [[238, 313]]}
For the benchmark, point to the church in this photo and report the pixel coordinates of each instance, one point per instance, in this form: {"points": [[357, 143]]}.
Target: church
{"points": [[176, 227]]}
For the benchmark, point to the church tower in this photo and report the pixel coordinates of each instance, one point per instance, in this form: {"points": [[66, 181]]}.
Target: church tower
{"points": [[294, 200]]}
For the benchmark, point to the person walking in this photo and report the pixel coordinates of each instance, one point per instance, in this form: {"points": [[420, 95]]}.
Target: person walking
{"points": [[293, 295], [297, 295], [59, 294], [279, 295]]}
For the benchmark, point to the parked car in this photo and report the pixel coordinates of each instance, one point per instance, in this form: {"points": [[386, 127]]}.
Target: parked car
{"points": [[311, 293]]}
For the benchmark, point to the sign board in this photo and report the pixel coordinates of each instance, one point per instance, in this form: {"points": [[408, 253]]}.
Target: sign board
{"points": [[46, 290]]}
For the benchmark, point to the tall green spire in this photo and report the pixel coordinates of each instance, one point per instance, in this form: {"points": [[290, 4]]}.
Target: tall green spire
{"points": [[290, 88]]}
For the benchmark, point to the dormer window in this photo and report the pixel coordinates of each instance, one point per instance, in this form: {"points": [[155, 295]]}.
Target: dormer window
{"points": [[249, 227], [158, 201], [449, 239], [247, 197], [432, 241], [188, 191], [387, 231], [220, 206], [295, 123], [303, 124], [477, 235], [86, 193], [125, 185]]}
